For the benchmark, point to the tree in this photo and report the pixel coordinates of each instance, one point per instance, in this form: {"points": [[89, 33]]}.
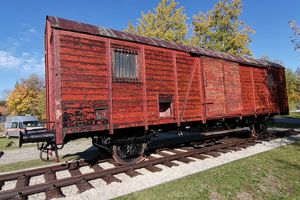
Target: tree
{"points": [[293, 88], [296, 37], [2, 103], [27, 97], [220, 29], [167, 22]]}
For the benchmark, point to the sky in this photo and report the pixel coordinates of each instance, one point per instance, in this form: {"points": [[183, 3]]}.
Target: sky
{"points": [[23, 24]]}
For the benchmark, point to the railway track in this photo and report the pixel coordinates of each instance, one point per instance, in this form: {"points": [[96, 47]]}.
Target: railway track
{"points": [[52, 185]]}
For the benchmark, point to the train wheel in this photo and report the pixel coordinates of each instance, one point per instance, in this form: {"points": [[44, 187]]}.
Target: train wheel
{"points": [[129, 154]]}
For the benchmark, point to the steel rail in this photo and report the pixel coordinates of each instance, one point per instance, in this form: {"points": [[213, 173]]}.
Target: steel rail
{"points": [[33, 189]]}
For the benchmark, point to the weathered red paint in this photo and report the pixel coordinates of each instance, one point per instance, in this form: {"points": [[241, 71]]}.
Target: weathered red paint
{"points": [[202, 91], [109, 83], [144, 81], [73, 26], [82, 95], [176, 89]]}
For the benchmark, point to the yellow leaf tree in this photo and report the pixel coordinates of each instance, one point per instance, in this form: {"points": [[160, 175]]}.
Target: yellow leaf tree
{"points": [[27, 98], [220, 29], [167, 22]]}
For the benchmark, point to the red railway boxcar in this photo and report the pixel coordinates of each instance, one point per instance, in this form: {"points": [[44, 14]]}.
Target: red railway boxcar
{"points": [[121, 88]]}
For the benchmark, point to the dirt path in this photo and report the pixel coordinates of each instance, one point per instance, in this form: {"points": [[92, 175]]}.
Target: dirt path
{"points": [[79, 148]]}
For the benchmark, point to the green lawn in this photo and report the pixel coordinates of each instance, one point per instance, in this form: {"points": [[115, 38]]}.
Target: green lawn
{"points": [[22, 165], [32, 163], [292, 115], [12, 143], [271, 175], [283, 125], [8, 143]]}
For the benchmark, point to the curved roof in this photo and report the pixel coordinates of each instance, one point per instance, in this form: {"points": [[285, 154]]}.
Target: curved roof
{"points": [[74, 26]]}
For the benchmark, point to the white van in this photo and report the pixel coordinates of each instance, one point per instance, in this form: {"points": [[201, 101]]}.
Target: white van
{"points": [[15, 124]]}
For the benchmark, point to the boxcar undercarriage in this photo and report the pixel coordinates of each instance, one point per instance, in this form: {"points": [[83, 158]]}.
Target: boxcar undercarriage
{"points": [[128, 146]]}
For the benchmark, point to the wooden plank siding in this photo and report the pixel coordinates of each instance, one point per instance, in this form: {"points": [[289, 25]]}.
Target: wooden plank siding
{"points": [[232, 89], [261, 90], [249, 106], [159, 72], [214, 88], [82, 95], [276, 85]]}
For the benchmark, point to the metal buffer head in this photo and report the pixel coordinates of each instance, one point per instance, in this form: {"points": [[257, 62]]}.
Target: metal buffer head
{"points": [[35, 136], [45, 142]]}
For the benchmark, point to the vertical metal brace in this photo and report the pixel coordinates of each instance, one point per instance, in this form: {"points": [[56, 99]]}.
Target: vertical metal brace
{"points": [[267, 91], [176, 88], [202, 90], [253, 90], [225, 90], [109, 80], [58, 107], [145, 106]]}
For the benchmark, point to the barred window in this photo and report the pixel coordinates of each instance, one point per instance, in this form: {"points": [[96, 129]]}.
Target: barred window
{"points": [[125, 65]]}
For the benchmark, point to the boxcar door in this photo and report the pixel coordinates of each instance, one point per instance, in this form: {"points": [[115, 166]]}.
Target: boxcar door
{"points": [[214, 88], [232, 90]]}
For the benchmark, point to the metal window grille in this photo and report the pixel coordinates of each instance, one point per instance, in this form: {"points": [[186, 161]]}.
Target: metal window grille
{"points": [[125, 66]]}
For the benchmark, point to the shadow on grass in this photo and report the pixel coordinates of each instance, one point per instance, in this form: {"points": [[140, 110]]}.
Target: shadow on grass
{"points": [[91, 155], [288, 163]]}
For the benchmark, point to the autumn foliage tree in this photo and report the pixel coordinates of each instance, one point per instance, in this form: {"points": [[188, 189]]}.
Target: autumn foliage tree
{"points": [[296, 37], [220, 29], [293, 88], [28, 97], [167, 22]]}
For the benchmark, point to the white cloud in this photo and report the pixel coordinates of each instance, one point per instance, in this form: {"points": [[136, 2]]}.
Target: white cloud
{"points": [[27, 62], [8, 61], [31, 30]]}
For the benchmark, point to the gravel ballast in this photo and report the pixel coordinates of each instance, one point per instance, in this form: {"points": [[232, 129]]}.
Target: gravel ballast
{"points": [[148, 179]]}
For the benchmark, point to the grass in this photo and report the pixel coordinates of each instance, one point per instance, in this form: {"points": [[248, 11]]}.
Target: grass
{"points": [[291, 115], [283, 125], [31, 163], [37, 162], [271, 175], [12, 143], [8, 143], [22, 165]]}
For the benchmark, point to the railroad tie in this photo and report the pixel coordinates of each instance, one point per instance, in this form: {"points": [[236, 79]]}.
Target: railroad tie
{"points": [[162, 154], [153, 168], [186, 160], [200, 156], [108, 178], [169, 163], [132, 173], [223, 150], [82, 185], [20, 196], [1, 184], [213, 153], [53, 192], [234, 148], [114, 163], [245, 145], [22, 181]]}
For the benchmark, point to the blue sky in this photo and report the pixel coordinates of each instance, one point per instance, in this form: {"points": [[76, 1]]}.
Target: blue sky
{"points": [[22, 28]]}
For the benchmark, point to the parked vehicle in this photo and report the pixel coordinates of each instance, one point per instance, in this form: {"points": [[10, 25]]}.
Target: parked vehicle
{"points": [[16, 124]]}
